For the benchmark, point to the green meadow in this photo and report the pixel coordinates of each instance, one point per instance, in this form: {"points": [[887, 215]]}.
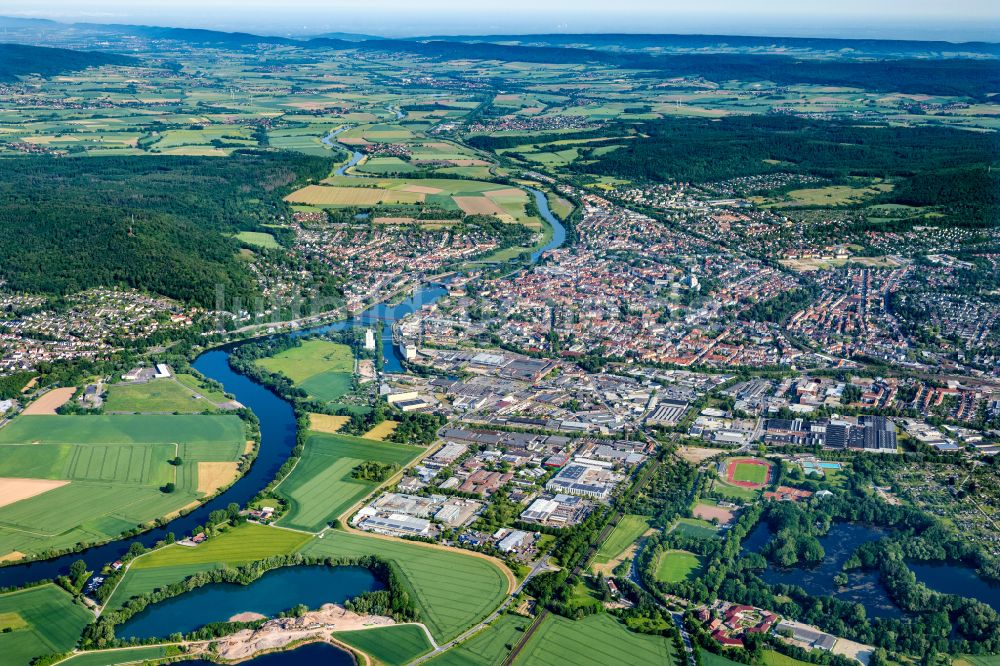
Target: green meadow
{"points": [[322, 368], [320, 488], [677, 565], [159, 395], [453, 590], [489, 647], [49, 622], [393, 646], [596, 640], [117, 468]]}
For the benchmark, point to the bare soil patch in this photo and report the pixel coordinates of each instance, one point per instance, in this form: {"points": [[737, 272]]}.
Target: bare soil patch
{"points": [[708, 512], [422, 189], [14, 490], [50, 402], [696, 454], [479, 206]]}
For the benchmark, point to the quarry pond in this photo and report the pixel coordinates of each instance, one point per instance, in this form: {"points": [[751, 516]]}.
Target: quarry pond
{"points": [[276, 591]]}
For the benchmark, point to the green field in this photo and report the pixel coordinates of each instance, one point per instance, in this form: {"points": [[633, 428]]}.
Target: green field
{"points": [[695, 527], [159, 395], [452, 590], [117, 467], [597, 640], [392, 646], [320, 488], [677, 565], [712, 659], [239, 545], [122, 429], [52, 623], [750, 473], [322, 368], [489, 647], [115, 657], [258, 239], [630, 528]]}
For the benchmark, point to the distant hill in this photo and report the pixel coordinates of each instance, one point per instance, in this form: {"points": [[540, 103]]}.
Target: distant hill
{"points": [[350, 36], [19, 59], [745, 43]]}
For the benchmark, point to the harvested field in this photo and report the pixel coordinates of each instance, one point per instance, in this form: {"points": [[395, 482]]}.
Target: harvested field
{"points": [[710, 511], [509, 192], [695, 454], [15, 490], [50, 402], [381, 431], [327, 423], [12, 556], [478, 206], [321, 195], [422, 189], [215, 475]]}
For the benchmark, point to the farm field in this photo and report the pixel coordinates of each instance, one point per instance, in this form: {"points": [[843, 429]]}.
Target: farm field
{"points": [[393, 646], [117, 468], [320, 488], [322, 368], [115, 657], [238, 545], [448, 604], [677, 565], [489, 646], [630, 528], [382, 431], [596, 640], [159, 395], [122, 429], [49, 622]]}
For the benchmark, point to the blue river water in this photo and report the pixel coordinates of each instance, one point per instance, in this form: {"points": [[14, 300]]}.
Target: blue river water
{"points": [[314, 654], [277, 428], [277, 590]]}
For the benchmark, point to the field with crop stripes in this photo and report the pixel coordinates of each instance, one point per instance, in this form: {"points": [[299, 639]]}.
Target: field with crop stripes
{"points": [[453, 590], [320, 488], [596, 640]]}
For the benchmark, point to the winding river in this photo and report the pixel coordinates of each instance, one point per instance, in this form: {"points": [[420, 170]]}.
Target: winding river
{"points": [[277, 425]]}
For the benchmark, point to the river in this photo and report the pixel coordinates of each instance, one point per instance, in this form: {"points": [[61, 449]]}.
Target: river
{"points": [[277, 425]]}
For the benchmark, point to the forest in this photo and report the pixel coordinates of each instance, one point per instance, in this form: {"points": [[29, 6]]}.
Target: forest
{"points": [[929, 166], [20, 59], [159, 223]]}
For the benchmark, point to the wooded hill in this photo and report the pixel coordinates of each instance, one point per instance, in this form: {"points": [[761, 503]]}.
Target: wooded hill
{"points": [[19, 59], [160, 223]]}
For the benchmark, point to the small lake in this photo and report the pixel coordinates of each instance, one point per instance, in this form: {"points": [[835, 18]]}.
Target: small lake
{"points": [[277, 590], [950, 578], [313, 653], [863, 587]]}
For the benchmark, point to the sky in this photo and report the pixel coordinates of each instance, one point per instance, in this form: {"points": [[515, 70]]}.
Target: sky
{"points": [[955, 20]]}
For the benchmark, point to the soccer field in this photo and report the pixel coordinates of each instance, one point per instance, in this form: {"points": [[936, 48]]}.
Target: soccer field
{"points": [[748, 472], [676, 565], [320, 488]]}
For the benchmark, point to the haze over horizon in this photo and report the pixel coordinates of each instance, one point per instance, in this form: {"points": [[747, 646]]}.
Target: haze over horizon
{"points": [[895, 19]]}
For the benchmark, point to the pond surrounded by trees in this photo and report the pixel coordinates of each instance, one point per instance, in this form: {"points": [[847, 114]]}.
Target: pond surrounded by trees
{"points": [[839, 543], [276, 591]]}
